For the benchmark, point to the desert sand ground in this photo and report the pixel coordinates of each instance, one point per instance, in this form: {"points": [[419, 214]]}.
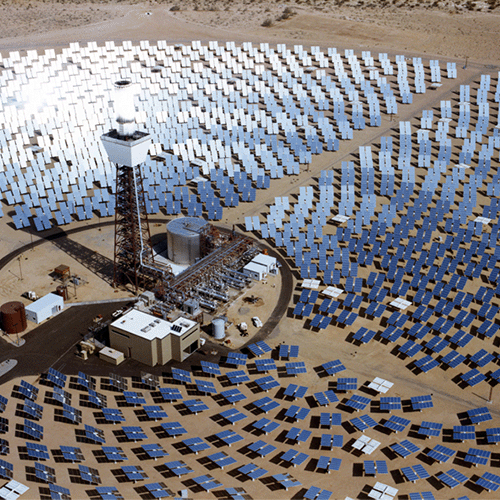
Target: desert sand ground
{"points": [[443, 28], [447, 30]]}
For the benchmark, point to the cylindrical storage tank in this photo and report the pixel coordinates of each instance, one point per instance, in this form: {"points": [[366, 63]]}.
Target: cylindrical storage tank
{"points": [[13, 317], [183, 239], [62, 291], [218, 327]]}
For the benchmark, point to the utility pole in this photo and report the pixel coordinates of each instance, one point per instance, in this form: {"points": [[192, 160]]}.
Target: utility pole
{"points": [[20, 267]]}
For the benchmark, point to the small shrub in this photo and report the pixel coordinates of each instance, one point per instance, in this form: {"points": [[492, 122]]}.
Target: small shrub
{"points": [[286, 14], [267, 23], [175, 8]]}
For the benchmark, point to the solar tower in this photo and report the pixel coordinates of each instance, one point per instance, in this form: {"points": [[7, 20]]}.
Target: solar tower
{"points": [[127, 149]]}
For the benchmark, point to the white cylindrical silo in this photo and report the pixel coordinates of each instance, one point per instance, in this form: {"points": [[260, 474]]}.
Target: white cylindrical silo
{"points": [[218, 327]]}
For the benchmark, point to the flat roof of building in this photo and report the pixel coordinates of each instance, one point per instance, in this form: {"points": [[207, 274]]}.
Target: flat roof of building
{"points": [[45, 301], [151, 327], [254, 267], [267, 260]]}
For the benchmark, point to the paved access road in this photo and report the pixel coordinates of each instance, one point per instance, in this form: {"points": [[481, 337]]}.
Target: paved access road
{"points": [[53, 343]]}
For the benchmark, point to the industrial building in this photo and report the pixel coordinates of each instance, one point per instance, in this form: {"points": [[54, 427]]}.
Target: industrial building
{"points": [[153, 340], [254, 271], [260, 266], [267, 262], [44, 308]]}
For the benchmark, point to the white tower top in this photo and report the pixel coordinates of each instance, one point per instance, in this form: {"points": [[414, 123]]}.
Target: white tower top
{"points": [[126, 145], [124, 107]]}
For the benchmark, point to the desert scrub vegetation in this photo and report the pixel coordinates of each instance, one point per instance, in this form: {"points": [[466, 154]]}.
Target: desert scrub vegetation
{"points": [[327, 5], [267, 23], [287, 13]]}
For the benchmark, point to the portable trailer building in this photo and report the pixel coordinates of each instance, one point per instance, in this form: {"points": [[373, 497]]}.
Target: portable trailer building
{"points": [[254, 271], [44, 308], [268, 262]]}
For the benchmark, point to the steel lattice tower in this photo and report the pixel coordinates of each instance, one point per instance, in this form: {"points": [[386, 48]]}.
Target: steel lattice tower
{"points": [[132, 235], [127, 148]]}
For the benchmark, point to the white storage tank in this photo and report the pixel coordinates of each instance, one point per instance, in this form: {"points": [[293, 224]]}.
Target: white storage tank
{"points": [[183, 239], [218, 328]]}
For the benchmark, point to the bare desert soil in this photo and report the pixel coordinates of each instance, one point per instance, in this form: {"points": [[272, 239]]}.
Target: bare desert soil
{"points": [[441, 28]]}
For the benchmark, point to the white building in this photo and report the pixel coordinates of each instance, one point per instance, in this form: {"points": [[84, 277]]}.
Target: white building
{"points": [[44, 308], [154, 341], [268, 262], [254, 271], [260, 266]]}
